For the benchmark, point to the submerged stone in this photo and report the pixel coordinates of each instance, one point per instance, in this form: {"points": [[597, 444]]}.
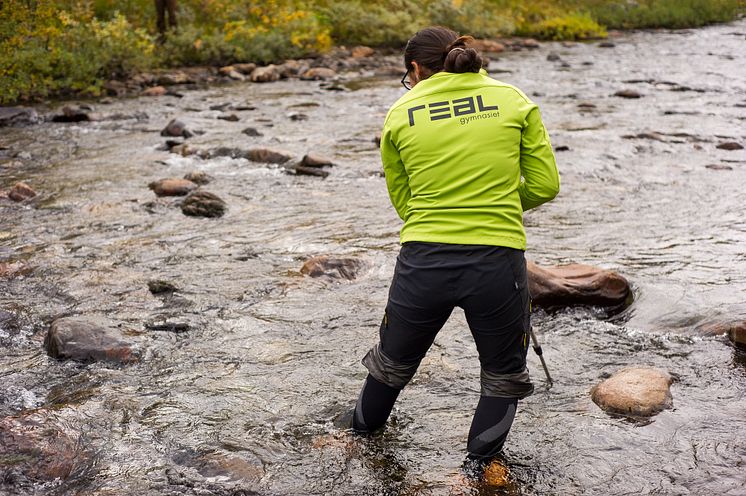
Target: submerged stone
{"points": [[203, 204], [333, 267], [730, 145], [628, 94], [577, 284], [635, 391], [83, 341], [33, 446]]}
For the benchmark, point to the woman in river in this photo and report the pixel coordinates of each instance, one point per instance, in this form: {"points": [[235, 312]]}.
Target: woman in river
{"points": [[464, 156]]}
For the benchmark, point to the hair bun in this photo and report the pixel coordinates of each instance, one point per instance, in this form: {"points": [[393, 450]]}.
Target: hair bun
{"points": [[460, 59]]}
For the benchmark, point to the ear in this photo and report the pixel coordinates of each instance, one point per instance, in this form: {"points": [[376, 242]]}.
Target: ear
{"points": [[417, 71]]}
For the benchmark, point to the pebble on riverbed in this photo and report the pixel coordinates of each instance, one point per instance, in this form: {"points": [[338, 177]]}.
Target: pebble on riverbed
{"points": [[635, 391], [730, 146], [83, 341], [21, 192], [203, 204], [628, 94]]}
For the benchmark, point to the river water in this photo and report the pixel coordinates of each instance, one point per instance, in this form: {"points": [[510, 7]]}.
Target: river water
{"points": [[245, 400]]}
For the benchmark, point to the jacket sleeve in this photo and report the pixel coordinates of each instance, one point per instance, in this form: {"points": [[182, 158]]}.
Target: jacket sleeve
{"points": [[540, 182], [397, 180]]}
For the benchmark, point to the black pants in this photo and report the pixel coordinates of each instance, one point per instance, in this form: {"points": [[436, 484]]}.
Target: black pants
{"points": [[490, 283]]}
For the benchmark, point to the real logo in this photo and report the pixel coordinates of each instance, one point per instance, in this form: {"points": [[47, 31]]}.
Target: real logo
{"points": [[451, 108]]}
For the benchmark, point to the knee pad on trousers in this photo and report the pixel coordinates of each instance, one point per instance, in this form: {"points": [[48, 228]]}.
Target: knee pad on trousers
{"points": [[516, 385], [385, 370]]}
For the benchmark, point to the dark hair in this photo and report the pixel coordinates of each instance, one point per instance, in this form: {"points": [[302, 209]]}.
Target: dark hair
{"points": [[438, 48]]}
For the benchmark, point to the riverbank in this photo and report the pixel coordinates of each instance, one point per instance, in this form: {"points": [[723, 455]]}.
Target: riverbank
{"points": [[51, 49]]}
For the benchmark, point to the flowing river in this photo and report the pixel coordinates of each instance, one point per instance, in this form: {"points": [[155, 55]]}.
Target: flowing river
{"points": [[244, 401]]}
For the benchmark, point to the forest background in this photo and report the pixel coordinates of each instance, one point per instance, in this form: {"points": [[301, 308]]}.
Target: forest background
{"points": [[63, 47]]}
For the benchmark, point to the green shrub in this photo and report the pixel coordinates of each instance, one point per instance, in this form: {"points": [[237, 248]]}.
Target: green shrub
{"points": [[389, 23], [569, 27], [478, 18], [664, 13]]}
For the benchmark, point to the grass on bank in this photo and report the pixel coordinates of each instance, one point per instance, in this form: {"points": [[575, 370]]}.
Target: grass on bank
{"points": [[59, 47]]}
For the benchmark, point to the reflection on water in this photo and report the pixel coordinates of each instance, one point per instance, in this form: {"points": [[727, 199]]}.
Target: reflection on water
{"points": [[245, 400]]}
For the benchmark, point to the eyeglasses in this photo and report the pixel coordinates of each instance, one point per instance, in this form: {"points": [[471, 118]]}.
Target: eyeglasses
{"points": [[406, 82]]}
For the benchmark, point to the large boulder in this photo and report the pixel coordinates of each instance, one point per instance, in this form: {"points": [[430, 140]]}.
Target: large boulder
{"points": [[635, 391], [84, 341], [35, 447], [333, 267], [203, 204], [266, 74], [172, 186], [577, 284]]}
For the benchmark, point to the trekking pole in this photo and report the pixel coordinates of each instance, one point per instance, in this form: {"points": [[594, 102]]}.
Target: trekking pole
{"points": [[539, 353]]}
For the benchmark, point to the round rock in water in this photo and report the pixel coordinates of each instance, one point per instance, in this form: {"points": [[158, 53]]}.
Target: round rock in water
{"points": [[635, 391], [83, 341], [172, 186], [203, 204]]}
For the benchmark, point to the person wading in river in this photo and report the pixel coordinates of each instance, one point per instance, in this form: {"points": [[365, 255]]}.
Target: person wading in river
{"points": [[464, 156]]}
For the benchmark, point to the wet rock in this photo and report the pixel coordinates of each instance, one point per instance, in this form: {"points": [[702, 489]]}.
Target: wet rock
{"points": [[628, 94], [219, 465], [292, 68], [553, 57], [606, 44], [231, 72], [72, 114], [203, 204], [244, 107], [649, 136], [167, 324], [561, 148], [490, 46], [229, 117], [361, 51], [718, 167], [298, 117], [15, 116], [21, 192], [11, 270], [176, 128], [33, 446], [174, 78], [333, 267], [496, 474], [115, 88], [737, 334], [154, 91], [377, 140], [183, 149], [172, 186], [635, 391], [301, 170], [530, 43], [266, 155], [251, 131], [198, 177], [220, 106], [266, 74], [246, 69], [577, 284], [313, 160], [318, 73], [730, 145], [83, 341], [159, 286]]}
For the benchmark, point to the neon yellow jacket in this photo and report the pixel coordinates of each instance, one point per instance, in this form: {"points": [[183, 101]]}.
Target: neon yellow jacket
{"points": [[464, 155]]}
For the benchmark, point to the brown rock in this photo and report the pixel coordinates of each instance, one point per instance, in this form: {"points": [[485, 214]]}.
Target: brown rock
{"points": [[9, 270], [576, 284], [530, 43], [266, 74], [21, 192], [203, 204], [496, 474], [231, 72], [154, 91], [173, 78], [318, 73], [229, 117], [267, 156], [628, 94], [252, 131], [490, 46], [730, 145], [198, 177], [245, 68], [333, 267], [361, 51], [172, 186], [718, 167], [83, 341], [634, 391], [312, 160], [301, 170], [737, 334], [291, 68], [72, 114], [34, 445]]}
